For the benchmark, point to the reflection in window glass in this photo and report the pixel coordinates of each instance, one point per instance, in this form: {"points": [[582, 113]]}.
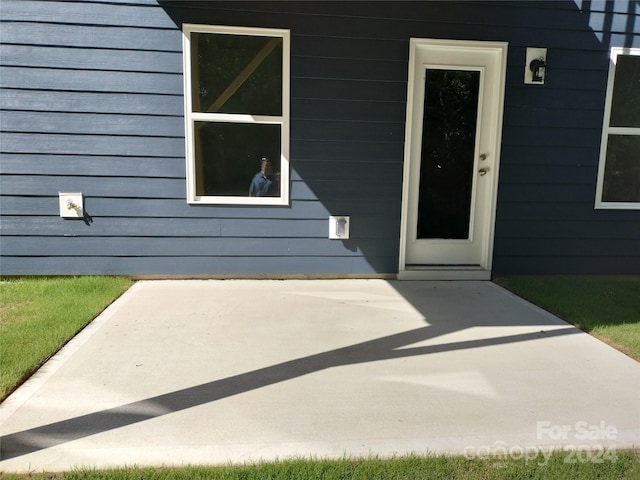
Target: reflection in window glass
{"points": [[228, 156], [237, 113], [622, 171], [619, 169], [237, 74], [625, 106]]}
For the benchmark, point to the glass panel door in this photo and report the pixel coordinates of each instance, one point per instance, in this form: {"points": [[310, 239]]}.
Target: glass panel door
{"points": [[448, 152], [454, 113]]}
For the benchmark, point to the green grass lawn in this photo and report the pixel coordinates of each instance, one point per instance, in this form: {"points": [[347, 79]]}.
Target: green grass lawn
{"points": [[625, 466], [38, 315], [606, 307]]}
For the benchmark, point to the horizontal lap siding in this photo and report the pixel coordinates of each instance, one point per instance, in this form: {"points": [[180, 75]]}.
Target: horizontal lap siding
{"points": [[92, 102], [546, 221]]}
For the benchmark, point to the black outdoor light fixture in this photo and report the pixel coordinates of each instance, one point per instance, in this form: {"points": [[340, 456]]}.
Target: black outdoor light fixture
{"points": [[538, 69], [535, 66]]}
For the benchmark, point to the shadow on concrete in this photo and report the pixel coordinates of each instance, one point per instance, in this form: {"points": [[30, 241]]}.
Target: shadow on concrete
{"points": [[461, 315]]}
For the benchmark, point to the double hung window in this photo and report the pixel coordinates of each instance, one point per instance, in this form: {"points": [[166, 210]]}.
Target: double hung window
{"points": [[237, 114], [619, 170]]}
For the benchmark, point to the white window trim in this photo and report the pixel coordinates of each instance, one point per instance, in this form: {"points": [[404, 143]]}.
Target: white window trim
{"points": [[607, 130], [191, 117]]}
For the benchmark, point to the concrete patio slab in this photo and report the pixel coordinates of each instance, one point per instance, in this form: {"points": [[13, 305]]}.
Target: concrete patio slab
{"points": [[180, 372]]}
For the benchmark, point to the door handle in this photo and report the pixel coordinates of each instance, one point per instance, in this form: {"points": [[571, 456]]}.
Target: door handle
{"points": [[482, 172]]}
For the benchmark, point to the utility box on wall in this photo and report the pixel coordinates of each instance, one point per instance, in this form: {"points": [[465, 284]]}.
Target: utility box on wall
{"points": [[71, 205]]}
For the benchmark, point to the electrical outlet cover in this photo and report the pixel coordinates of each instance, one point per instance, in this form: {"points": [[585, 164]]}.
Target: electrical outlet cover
{"points": [[339, 227]]}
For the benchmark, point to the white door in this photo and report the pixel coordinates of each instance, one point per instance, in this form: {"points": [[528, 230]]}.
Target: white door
{"points": [[454, 120]]}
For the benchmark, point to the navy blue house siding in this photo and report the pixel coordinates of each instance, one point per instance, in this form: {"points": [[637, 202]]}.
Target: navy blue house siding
{"points": [[92, 102]]}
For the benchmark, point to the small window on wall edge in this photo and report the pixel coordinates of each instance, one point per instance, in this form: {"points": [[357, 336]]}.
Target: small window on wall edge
{"points": [[618, 184], [236, 82]]}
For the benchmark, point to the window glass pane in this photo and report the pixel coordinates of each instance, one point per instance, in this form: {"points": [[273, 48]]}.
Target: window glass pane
{"points": [[236, 74], [228, 157], [622, 170], [448, 145], [625, 106]]}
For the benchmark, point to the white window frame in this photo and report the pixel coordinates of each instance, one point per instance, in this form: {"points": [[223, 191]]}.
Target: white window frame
{"points": [[191, 117], [608, 130]]}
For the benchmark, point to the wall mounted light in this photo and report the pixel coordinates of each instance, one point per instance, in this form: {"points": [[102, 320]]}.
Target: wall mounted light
{"points": [[535, 68], [538, 67]]}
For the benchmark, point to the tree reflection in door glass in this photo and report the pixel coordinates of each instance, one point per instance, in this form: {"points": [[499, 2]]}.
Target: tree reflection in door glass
{"points": [[448, 151]]}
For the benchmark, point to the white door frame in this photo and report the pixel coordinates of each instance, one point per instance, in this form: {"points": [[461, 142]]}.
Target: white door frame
{"points": [[447, 272]]}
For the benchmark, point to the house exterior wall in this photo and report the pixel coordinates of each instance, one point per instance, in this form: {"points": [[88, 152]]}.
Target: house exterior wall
{"points": [[92, 100]]}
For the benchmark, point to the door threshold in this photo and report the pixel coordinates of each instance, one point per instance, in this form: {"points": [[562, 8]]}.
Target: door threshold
{"points": [[444, 272]]}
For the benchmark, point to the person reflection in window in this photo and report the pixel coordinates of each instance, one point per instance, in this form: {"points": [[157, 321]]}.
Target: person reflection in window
{"points": [[264, 183]]}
